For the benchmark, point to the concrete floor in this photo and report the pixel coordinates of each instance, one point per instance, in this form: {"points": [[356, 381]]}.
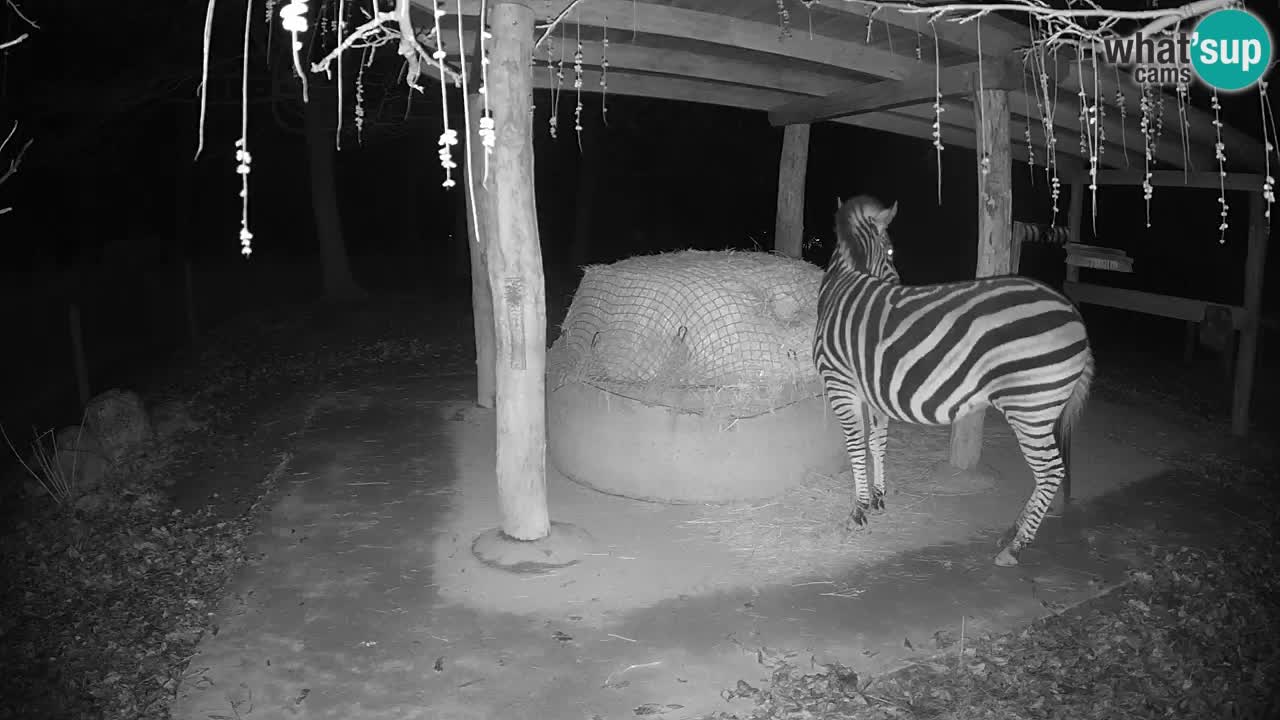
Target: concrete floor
{"points": [[366, 602]]}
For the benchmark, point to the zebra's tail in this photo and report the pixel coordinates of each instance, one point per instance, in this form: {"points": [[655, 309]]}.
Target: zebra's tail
{"points": [[1067, 420]]}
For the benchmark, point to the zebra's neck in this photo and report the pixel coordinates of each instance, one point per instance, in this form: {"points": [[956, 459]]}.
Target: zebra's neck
{"points": [[840, 268]]}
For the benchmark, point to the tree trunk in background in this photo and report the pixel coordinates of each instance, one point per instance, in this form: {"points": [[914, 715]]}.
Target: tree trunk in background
{"points": [[320, 113], [584, 207]]}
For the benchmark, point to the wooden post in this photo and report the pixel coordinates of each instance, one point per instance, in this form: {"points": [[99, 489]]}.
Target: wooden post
{"points": [[788, 235], [516, 282], [77, 354], [480, 210], [995, 235], [1255, 262], [1075, 216]]}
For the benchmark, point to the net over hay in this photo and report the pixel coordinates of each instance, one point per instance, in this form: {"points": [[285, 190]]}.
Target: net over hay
{"points": [[734, 327]]}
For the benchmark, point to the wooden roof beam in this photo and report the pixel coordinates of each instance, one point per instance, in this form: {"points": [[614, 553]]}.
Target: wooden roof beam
{"points": [[717, 93], [676, 67], [711, 28], [1000, 36], [1248, 182], [682, 63], [922, 86]]}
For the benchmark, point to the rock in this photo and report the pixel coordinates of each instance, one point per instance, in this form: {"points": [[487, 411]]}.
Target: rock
{"points": [[170, 418], [120, 422], [81, 458]]}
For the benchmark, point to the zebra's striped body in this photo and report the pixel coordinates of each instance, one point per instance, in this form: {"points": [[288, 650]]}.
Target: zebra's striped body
{"points": [[930, 354]]}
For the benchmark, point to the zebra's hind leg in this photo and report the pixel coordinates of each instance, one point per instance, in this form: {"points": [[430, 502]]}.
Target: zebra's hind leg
{"points": [[1040, 449], [854, 419], [879, 439]]}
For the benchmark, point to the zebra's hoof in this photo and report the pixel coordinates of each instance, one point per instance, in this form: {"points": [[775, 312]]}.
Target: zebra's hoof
{"points": [[1006, 559], [877, 504], [855, 523]]}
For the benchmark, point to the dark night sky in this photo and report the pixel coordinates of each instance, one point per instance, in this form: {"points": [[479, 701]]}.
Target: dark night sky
{"points": [[115, 130]]}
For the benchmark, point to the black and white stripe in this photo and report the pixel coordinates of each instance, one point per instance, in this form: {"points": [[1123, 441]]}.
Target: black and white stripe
{"points": [[929, 354], [1039, 234]]}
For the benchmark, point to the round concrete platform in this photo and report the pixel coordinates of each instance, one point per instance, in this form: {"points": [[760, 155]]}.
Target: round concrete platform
{"points": [[623, 446], [563, 546]]}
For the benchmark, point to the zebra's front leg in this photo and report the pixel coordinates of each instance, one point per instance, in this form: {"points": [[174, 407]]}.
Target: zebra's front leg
{"points": [[854, 421], [879, 424]]}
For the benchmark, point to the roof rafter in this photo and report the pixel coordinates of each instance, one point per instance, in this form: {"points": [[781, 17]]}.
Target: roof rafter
{"points": [[922, 86]]}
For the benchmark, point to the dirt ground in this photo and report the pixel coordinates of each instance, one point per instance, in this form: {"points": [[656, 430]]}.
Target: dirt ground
{"points": [[365, 601]]}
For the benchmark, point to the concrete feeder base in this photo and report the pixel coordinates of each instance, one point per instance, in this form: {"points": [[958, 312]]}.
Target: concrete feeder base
{"points": [[563, 546], [626, 447]]}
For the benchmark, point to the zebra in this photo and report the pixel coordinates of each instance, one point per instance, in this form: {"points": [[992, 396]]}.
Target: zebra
{"points": [[930, 354]]}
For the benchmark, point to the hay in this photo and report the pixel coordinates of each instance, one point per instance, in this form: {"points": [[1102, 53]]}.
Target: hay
{"points": [[801, 533], [699, 331]]}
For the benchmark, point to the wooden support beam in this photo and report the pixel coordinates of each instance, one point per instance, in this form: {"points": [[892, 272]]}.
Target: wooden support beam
{"points": [[1250, 182], [788, 236], [995, 235], [516, 281], [1254, 264], [921, 86], [1170, 306]]}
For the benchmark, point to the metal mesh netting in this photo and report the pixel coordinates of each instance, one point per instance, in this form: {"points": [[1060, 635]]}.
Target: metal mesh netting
{"points": [[692, 320]]}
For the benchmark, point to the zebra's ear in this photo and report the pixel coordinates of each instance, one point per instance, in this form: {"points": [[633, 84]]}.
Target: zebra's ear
{"points": [[886, 216]]}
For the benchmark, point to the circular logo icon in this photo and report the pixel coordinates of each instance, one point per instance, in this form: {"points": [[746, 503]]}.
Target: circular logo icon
{"points": [[1231, 49]]}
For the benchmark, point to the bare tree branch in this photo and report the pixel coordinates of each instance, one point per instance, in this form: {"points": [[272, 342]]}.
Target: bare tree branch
{"points": [[15, 162]]}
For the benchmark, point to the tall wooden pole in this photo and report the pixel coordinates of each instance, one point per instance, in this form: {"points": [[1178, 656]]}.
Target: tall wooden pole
{"points": [[788, 235], [516, 283], [1255, 261], [995, 236]]}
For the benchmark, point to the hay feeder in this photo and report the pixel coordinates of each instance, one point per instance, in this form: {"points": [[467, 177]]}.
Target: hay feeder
{"points": [[687, 378]]}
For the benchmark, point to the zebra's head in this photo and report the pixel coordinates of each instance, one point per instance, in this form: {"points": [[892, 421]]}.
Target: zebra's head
{"points": [[862, 232]]}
